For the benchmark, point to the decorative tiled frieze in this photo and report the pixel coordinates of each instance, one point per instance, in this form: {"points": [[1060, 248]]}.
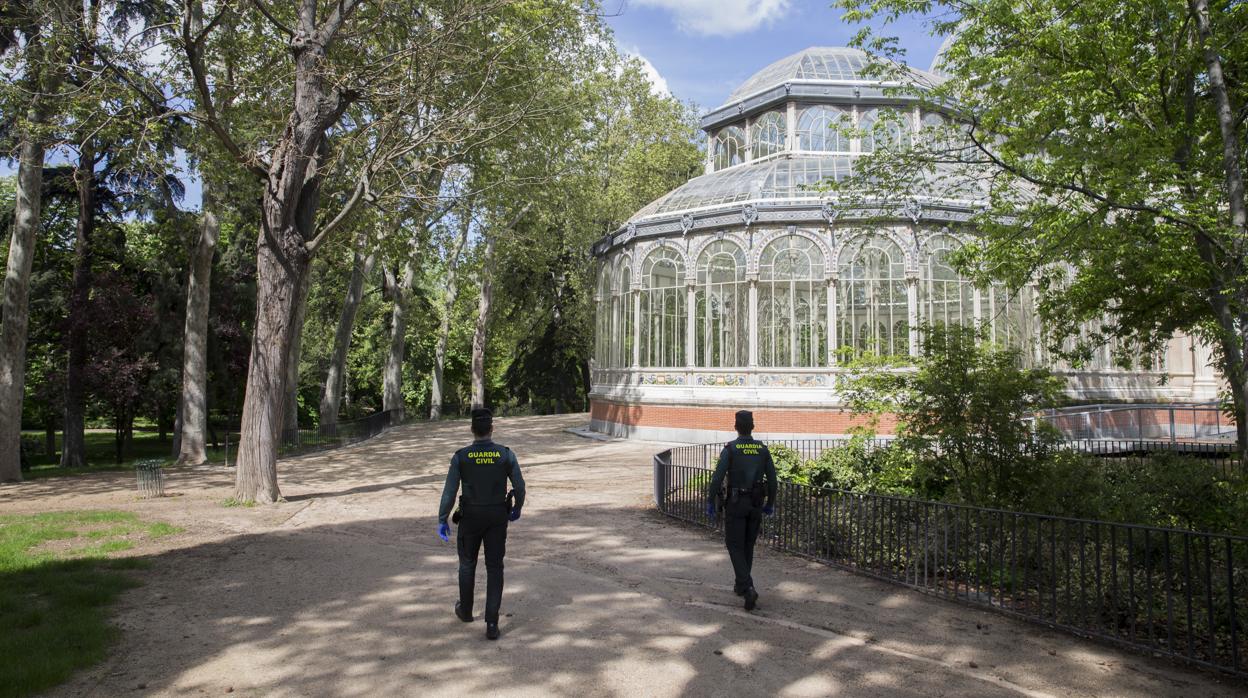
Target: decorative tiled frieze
{"points": [[792, 380], [725, 380], [662, 379]]}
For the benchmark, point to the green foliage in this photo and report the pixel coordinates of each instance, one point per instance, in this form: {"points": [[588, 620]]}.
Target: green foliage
{"points": [[788, 464], [962, 413], [56, 584], [1108, 161]]}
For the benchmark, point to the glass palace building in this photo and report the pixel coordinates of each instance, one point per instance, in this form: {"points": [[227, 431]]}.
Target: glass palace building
{"points": [[743, 287]]}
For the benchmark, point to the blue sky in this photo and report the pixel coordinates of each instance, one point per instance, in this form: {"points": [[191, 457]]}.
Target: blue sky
{"points": [[702, 49]]}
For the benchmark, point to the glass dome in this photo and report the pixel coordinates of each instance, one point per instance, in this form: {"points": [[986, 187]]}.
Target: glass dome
{"points": [[819, 64]]}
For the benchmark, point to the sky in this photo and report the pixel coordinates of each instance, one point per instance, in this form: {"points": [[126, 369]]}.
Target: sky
{"points": [[700, 50]]}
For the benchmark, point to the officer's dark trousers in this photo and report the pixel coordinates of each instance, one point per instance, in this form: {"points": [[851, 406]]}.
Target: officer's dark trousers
{"points": [[488, 525], [741, 524]]}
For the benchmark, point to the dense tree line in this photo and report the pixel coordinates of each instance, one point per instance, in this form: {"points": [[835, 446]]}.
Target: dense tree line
{"points": [[396, 206]]}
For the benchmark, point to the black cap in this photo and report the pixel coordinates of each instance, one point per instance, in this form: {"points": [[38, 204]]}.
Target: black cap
{"points": [[745, 421], [482, 420]]}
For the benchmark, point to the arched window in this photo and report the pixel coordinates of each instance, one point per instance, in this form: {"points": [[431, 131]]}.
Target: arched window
{"points": [[767, 135], [722, 311], [729, 147], [792, 304], [822, 129], [945, 297], [622, 309], [602, 326], [883, 128], [663, 313], [1010, 318], [873, 308]]}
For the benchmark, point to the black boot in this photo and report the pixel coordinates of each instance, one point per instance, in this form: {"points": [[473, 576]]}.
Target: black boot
{"points": [[738, 590], [491, 631], [459, 613], [751, 599]]}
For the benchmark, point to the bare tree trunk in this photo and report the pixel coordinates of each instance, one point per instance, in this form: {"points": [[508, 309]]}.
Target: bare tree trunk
{"points": [[15, 317], [448, 309], [290, 423], [483, 319], [1234, 351], [392, 397], [331, 394], [73, 450], [192, 417]]}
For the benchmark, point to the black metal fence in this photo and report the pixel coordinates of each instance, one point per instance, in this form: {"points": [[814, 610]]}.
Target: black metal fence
{"points": [[1179, 593], [297, 441]]}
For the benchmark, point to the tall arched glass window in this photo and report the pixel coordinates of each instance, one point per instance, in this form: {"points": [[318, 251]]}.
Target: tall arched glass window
{"points": [[873, 308], [767, 135], [729, 147], [622, 307], [821, 129], [883, 128], [663, 313], [945, 296], [1010, 316], [602, 326], [792, 304], [722, 312]]}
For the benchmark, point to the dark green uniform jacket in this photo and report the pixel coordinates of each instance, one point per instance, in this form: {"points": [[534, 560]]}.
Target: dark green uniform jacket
{"points": [[482, 470], [745, 461]]}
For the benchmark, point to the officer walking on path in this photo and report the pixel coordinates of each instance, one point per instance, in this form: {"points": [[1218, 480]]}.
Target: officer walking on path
{"points": [[482, 469], [751, 494]]}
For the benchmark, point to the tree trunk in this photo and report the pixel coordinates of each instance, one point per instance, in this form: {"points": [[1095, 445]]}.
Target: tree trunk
{"points": [[290, 423], [49, 438], [1234, 351], [448, 309], [73, 450], [483, 319], [331, 395], [15, 317], [193, 407], [392, 397]]}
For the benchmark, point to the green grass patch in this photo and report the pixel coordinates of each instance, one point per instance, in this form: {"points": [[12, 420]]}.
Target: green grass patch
{"points": [[231, 502], [56, 584], [102, 453]]}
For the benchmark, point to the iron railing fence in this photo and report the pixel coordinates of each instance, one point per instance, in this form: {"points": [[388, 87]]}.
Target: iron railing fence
{"points": [[298, 441], [1179, 593], [1220, 457], [1151, 422]]}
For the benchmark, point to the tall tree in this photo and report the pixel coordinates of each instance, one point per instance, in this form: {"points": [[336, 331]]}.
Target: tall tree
{"points": [[28, 38], [451, 291], [363, 258], [193, 408], [1106, 143], [392, 88]]}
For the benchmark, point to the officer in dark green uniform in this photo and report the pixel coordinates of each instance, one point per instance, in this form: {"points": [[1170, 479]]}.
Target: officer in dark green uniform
{"points": [[751, 494], [483, 469]]}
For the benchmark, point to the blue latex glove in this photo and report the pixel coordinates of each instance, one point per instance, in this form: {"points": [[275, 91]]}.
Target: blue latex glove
{"points": [[768, 510], [515, 514], [444, 532], [710, 510]]}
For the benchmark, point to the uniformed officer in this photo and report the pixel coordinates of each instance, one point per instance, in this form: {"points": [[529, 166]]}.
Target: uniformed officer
{"points": [[483, 469], [751, 494]]}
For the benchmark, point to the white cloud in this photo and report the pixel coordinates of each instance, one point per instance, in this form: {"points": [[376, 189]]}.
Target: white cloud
{"points": [[658, 84], [721, 17]]}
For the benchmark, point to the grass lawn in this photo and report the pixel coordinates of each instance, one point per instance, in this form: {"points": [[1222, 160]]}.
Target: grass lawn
{"points": [[102, 453], [57, 580]]}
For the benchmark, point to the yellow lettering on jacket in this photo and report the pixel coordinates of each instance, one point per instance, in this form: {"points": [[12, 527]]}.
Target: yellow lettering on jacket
{"points": [[749, 449]]}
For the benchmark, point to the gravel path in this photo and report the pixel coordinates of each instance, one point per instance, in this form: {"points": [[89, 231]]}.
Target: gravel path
{"points": [[344, 590]]}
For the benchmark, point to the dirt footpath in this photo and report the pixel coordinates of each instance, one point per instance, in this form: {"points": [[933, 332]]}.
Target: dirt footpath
{"points": [[344, 590]]}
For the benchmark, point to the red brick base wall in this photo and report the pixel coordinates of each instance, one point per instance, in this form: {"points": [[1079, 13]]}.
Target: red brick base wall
{"points": [[766, 420]]}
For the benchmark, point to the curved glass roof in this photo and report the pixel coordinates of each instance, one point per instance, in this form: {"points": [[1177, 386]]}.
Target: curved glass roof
{"points": [[823, 64], [776, 178], [785, 178]]}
